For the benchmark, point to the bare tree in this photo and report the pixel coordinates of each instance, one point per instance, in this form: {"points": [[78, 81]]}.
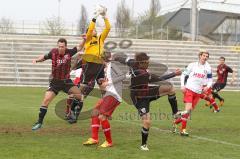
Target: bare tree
{"points": [[6, 26], [54, 26], [83, 22], [154, 8], [123, 18], [150, 16], [149, 22]]}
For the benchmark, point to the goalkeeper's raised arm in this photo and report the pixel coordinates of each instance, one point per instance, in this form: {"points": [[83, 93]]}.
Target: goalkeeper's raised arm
{"points": [[94, 46]]}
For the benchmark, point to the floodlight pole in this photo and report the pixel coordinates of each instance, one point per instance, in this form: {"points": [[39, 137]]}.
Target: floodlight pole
{"points": [[194, 20], [132, 9], [59, 2]]}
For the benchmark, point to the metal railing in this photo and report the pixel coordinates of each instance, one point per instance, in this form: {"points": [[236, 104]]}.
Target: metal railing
{"points": [[70, 28], [134, 31], [13, 53]]}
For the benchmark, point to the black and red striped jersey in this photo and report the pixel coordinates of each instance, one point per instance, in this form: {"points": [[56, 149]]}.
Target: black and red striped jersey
{"points": [[61, 64], [222, 73]]}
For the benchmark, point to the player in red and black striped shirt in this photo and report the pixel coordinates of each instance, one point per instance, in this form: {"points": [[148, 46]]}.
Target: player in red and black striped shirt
{"points": [[60, 76], [142, 94], [222, 74]]}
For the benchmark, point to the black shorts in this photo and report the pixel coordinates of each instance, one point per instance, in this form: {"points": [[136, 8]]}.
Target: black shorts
{"points": [[60, 85], [143, 104], [151, 91], [218, 86], [91, 72]]}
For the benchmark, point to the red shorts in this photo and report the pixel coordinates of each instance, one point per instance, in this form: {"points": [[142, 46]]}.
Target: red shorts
{"points": [[191, 97], [107, 105], [77, 80]]}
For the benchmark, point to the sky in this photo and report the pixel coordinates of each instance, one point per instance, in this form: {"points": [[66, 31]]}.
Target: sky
{"points": [[39, 10], [33, 11]]}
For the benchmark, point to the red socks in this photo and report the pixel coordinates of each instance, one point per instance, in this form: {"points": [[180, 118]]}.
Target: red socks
{"points": [[213, 103], [95, 127], [184, 121], [178, 120], [107, 130], [105, 126]]}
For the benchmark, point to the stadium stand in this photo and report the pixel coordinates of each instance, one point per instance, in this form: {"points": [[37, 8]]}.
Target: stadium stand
{"points": [[17, 52]]}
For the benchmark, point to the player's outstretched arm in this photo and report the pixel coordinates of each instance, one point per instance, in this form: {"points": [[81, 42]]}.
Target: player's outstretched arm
{"points": [[123, 59], [43, 57], [156, 78], [117, 79], [39, 59]]}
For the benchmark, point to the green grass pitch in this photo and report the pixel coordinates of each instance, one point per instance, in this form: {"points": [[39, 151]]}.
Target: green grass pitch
{"points": [[215, 136]]}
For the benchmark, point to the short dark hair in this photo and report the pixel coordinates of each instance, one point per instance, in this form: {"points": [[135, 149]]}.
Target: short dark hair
{"points": [[222, 58], [62, 40], [141, 56]]}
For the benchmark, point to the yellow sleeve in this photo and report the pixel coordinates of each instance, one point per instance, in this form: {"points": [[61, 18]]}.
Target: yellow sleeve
{"points": [[106, 30], [90, 30]]}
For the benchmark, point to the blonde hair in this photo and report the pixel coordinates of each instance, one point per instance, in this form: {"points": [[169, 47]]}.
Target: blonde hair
{"points": [[202, 51]]}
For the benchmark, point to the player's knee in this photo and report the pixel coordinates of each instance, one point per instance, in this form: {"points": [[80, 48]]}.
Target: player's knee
{"points": [[146, 120], [147, 123], [172, 91], [102, 117], [95, 113], [188, 107], [76, 93], [166, 90]]}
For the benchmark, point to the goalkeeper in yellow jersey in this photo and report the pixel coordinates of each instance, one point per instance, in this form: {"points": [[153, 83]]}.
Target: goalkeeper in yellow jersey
{"points": [[92, 58]]}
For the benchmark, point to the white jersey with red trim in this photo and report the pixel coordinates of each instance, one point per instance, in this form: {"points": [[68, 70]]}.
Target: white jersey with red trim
{"points": [[199, 75], [115, 78]]}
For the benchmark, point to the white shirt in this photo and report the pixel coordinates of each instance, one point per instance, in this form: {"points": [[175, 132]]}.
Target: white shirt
{"points": [[199, 75], [115, 77], [76, 73]]}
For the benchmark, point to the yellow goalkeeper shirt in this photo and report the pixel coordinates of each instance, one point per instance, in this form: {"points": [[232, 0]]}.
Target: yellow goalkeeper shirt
{"points": [[94, 46]]}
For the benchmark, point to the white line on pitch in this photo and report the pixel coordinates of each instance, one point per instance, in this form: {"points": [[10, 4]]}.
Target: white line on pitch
{"points": [[193, 136]]}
